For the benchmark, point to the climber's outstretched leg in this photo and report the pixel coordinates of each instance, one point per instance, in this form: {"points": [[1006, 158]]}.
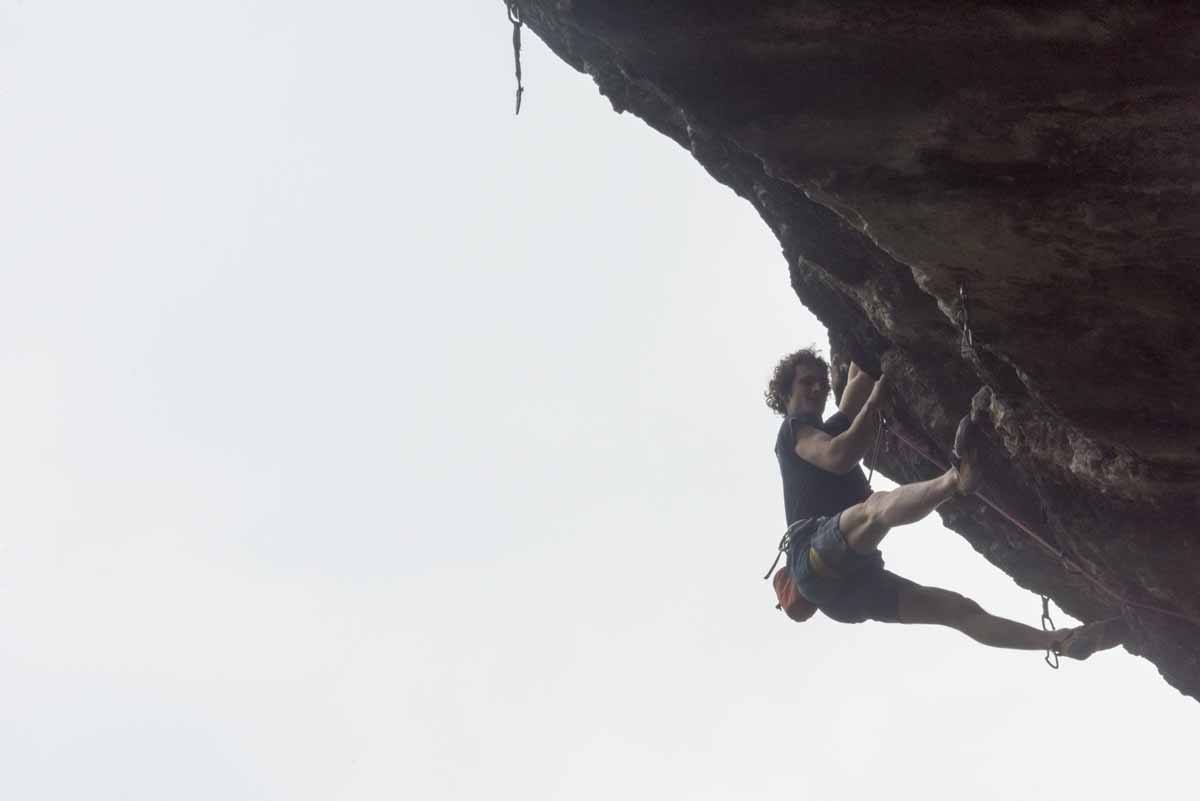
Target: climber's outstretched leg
{"points": [[945, 608], [864, 525]]}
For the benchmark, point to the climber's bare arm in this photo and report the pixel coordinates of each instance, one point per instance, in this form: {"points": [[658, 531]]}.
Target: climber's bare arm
{"points": [[841, 453], [858, 389]]}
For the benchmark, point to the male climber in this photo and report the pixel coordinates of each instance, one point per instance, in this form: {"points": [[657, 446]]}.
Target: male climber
{"points": [[835, 522]]}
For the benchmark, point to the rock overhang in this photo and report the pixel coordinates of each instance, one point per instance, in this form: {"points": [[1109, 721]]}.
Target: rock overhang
{"points": [[1041, 163]]}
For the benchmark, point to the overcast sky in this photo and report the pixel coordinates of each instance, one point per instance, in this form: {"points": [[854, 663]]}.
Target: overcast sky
{"points": [[360, 441]]}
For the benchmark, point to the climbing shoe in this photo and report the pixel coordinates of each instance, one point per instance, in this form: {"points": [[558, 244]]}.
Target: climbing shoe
{"points": [[1088, 639], [966, 456]]}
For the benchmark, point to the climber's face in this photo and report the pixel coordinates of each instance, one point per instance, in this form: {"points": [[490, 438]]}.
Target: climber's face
{"points": [[810, 389]]}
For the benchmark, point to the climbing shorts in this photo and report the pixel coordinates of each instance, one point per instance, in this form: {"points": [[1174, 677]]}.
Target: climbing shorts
{"points": [[846, 585]]}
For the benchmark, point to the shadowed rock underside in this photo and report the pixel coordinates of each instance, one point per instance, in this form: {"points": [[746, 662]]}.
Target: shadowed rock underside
{"points": [[1044, 157]]}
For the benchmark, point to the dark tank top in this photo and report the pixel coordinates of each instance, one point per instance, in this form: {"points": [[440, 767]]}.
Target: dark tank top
{"points": [[809, 491]]}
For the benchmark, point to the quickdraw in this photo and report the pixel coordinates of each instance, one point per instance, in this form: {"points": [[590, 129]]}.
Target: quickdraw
{"points": [[1048, 625], [514, 16], [875, 449]]}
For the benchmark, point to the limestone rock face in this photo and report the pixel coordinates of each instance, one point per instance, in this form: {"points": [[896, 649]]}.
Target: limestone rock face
{"points": [[1042, 159]]}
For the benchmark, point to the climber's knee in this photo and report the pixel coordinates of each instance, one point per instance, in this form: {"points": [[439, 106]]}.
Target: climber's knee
{"points": [[863, 524]]}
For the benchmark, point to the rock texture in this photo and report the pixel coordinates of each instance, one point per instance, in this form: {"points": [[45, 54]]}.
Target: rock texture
{"points": [[1045, 158]]}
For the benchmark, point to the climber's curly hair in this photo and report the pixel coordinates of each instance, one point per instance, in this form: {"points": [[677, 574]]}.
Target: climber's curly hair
{"points": [[780, 387]]}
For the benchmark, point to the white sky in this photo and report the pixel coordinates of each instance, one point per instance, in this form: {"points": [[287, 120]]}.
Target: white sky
{"points": [[361, 441]]}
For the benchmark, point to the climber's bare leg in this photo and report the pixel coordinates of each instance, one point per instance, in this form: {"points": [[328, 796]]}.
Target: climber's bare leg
{"points": [[940, 607], [864, 525]]}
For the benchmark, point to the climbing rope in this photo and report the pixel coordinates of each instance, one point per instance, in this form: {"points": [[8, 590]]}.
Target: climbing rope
{"points": [[514, 16], [1064, 560]]}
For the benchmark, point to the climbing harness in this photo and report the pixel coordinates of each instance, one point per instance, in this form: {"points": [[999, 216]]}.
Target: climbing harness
{"points": [[1048, 625], [514, 16], [784, 543], [800, 528]]}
